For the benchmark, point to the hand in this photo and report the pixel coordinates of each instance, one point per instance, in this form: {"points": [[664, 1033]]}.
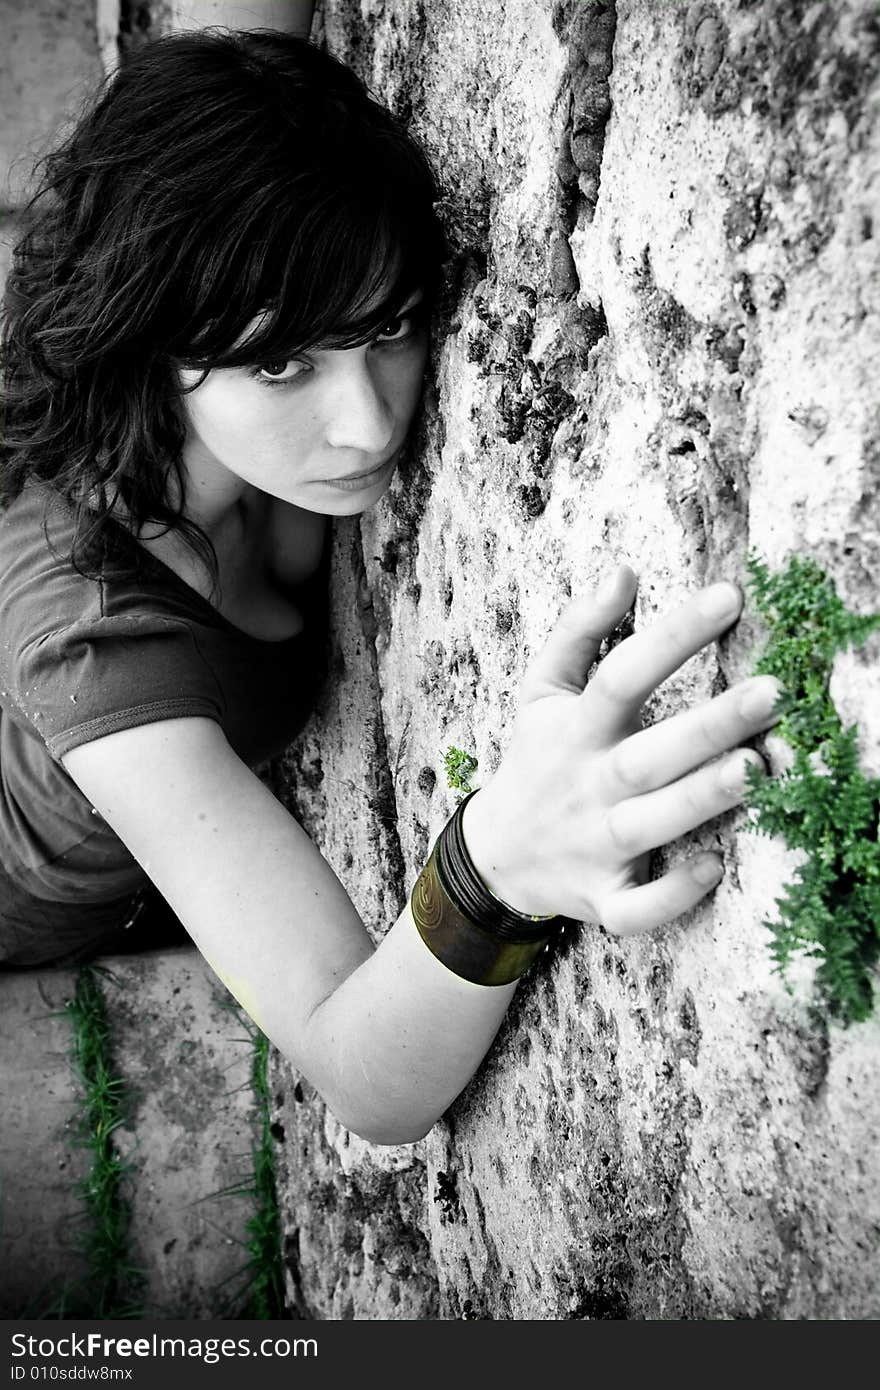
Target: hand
{"points": [[583, 793]]}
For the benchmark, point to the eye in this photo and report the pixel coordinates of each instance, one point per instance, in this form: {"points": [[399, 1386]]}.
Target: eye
{"points": [[280, 370], [401, 326]]}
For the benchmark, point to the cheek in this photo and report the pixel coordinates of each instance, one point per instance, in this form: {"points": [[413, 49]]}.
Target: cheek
{"points": [[407, 381], [226, 419], [220, 411]]}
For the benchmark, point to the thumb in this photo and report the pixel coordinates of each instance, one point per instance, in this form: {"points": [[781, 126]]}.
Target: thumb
{"points": [[573, 645]]}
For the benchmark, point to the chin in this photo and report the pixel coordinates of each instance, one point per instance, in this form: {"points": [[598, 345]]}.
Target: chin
{"points": [[353, 501], [352, 505]]}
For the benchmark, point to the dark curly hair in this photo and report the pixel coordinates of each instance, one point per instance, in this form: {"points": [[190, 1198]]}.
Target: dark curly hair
{"points": [[216, 176]]}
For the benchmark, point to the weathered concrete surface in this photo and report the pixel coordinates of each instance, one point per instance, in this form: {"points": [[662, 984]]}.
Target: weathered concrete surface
{"points": [[48, 62], [291, 15], [41, 1216], [185, 1061], [660, 342], [185, 1058]]}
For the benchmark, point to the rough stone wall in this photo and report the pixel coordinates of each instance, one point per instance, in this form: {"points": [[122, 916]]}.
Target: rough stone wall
{"points": [[49, 60], [659, 343]]}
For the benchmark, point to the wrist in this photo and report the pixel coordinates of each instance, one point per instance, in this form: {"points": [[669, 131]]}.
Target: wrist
{"points": [[499, 865], [472, 931]]}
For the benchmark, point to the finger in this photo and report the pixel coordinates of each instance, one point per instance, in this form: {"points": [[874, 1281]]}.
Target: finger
{"points": [[653, 757], [633, 910], [573, 644], [628, 675], [646, 822]]}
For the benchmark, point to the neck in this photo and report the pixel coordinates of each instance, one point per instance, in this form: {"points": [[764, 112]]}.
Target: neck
{"points": [[217, 500]]}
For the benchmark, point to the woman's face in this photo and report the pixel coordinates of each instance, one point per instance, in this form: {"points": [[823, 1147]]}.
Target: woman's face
{"points": [[300, 429]]}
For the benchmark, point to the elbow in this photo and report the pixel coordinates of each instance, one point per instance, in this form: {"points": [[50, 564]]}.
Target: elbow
{"points": [[390, 1133], [385, 1115], [395, 1138]]}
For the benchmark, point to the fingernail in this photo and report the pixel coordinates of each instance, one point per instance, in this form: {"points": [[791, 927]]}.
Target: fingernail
{"points": [[759, 697], [734, 772], [707, 871], [607, 590], [720, 601]]}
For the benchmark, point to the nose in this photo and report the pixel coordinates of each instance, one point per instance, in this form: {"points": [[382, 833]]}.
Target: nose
{"points": [[359, 413]]}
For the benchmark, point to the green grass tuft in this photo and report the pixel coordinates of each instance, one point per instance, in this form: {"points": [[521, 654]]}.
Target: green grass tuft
{"points": [[265, 1267], [111, 1283], [261, 1292], [824, 805]]}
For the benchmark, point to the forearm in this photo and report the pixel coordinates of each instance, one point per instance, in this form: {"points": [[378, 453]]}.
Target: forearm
{"points": [[402, 1036]]}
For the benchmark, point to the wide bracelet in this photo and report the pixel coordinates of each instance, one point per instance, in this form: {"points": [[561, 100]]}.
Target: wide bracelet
{"points": [[470, 931]]}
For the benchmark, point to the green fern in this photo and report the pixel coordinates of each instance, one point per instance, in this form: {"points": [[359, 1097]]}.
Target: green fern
{"points": [[824, 805]]}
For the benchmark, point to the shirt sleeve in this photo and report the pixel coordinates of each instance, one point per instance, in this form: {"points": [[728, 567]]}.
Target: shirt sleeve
{"points": [[97, 676]]}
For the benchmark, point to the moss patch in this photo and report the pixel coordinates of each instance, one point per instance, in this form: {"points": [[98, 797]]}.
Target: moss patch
{"points": [[460, 767]]}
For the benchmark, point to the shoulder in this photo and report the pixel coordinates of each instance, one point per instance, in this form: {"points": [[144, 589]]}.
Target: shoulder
{"points": [[78, 656], [35, 537], [41, 594], [49, 608], [78, 682]]}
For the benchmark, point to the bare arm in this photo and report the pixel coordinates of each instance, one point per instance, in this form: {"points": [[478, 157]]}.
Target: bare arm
{"points": [[390, 1036]]}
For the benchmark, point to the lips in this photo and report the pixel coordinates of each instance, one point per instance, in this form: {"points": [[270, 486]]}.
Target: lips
{"points": [[362, 480], [353, 477]]}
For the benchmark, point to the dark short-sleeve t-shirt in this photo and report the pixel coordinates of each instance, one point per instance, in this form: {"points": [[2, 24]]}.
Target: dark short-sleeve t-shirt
{"points": [[81, 657]]}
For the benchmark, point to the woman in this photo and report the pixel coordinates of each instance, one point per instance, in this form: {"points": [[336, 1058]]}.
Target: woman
{"points": [[215, 341]]}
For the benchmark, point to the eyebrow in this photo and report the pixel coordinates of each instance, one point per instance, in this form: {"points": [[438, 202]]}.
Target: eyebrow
{"points": [[412, 301], [402, 306], [415, 297]]}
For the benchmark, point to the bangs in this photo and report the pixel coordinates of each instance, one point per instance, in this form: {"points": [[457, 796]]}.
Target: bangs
{"points": [[323, 272]]}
